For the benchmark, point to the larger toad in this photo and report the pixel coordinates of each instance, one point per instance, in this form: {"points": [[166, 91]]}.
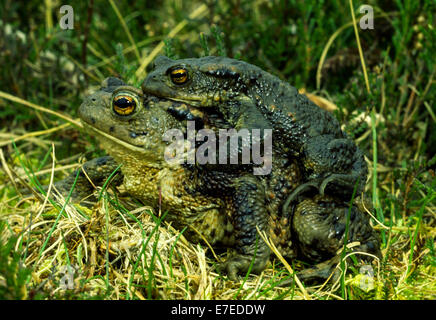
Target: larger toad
{"points": [[226, 207], [249, 97]]}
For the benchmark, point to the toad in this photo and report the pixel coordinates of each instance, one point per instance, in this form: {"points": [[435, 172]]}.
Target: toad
{"points": [[226, 207]]}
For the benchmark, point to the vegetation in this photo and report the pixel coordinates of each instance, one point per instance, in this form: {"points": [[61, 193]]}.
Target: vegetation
{"points": [[384, 94]]}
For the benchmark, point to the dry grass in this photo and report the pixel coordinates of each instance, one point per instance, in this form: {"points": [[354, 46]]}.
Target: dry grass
{"points": [[132, 253]]}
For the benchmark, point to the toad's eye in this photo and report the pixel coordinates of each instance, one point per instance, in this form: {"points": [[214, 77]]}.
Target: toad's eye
{"points": [[179, 75], [123, 104]]}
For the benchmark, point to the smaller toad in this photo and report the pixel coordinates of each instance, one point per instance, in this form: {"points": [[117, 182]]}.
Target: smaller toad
{"points": [[246, 96]]}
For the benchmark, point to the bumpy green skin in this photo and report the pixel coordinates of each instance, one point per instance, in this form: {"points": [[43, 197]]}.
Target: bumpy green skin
{"points": [[225, 206], [245, 96]]}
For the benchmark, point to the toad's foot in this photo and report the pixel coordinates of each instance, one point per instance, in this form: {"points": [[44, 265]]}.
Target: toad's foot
{"points": [[319, 273], [240, 264], [300, 190], [342, 185]]}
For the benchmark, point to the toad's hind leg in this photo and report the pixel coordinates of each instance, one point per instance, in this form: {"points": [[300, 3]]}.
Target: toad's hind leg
{"points": [[319, 225]]}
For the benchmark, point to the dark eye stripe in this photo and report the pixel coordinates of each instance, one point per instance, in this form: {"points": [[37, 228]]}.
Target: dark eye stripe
{"points": [[124, 102], [179, 75]]}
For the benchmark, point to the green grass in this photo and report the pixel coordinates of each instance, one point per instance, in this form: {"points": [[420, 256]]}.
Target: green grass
{"points": [[123, 253]]}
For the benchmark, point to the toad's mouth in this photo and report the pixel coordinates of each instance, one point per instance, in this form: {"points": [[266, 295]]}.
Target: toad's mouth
{"points": [[199, 101], [190, 101], [179, 109], [125, 144]]}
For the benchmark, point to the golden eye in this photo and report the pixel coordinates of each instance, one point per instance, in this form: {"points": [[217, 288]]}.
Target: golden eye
{"points": [[123, 104], [179, 75]]}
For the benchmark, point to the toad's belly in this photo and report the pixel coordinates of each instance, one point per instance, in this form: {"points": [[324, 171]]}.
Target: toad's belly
{"points": [[204, 217]]}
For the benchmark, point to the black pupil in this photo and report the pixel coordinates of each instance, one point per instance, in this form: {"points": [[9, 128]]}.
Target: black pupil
{"points": [[124, 103]]}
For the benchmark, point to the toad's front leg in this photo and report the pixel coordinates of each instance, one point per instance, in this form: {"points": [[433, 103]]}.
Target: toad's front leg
{"points": [[250, 212], [334, 167], [337, 164], [93, 173]]}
